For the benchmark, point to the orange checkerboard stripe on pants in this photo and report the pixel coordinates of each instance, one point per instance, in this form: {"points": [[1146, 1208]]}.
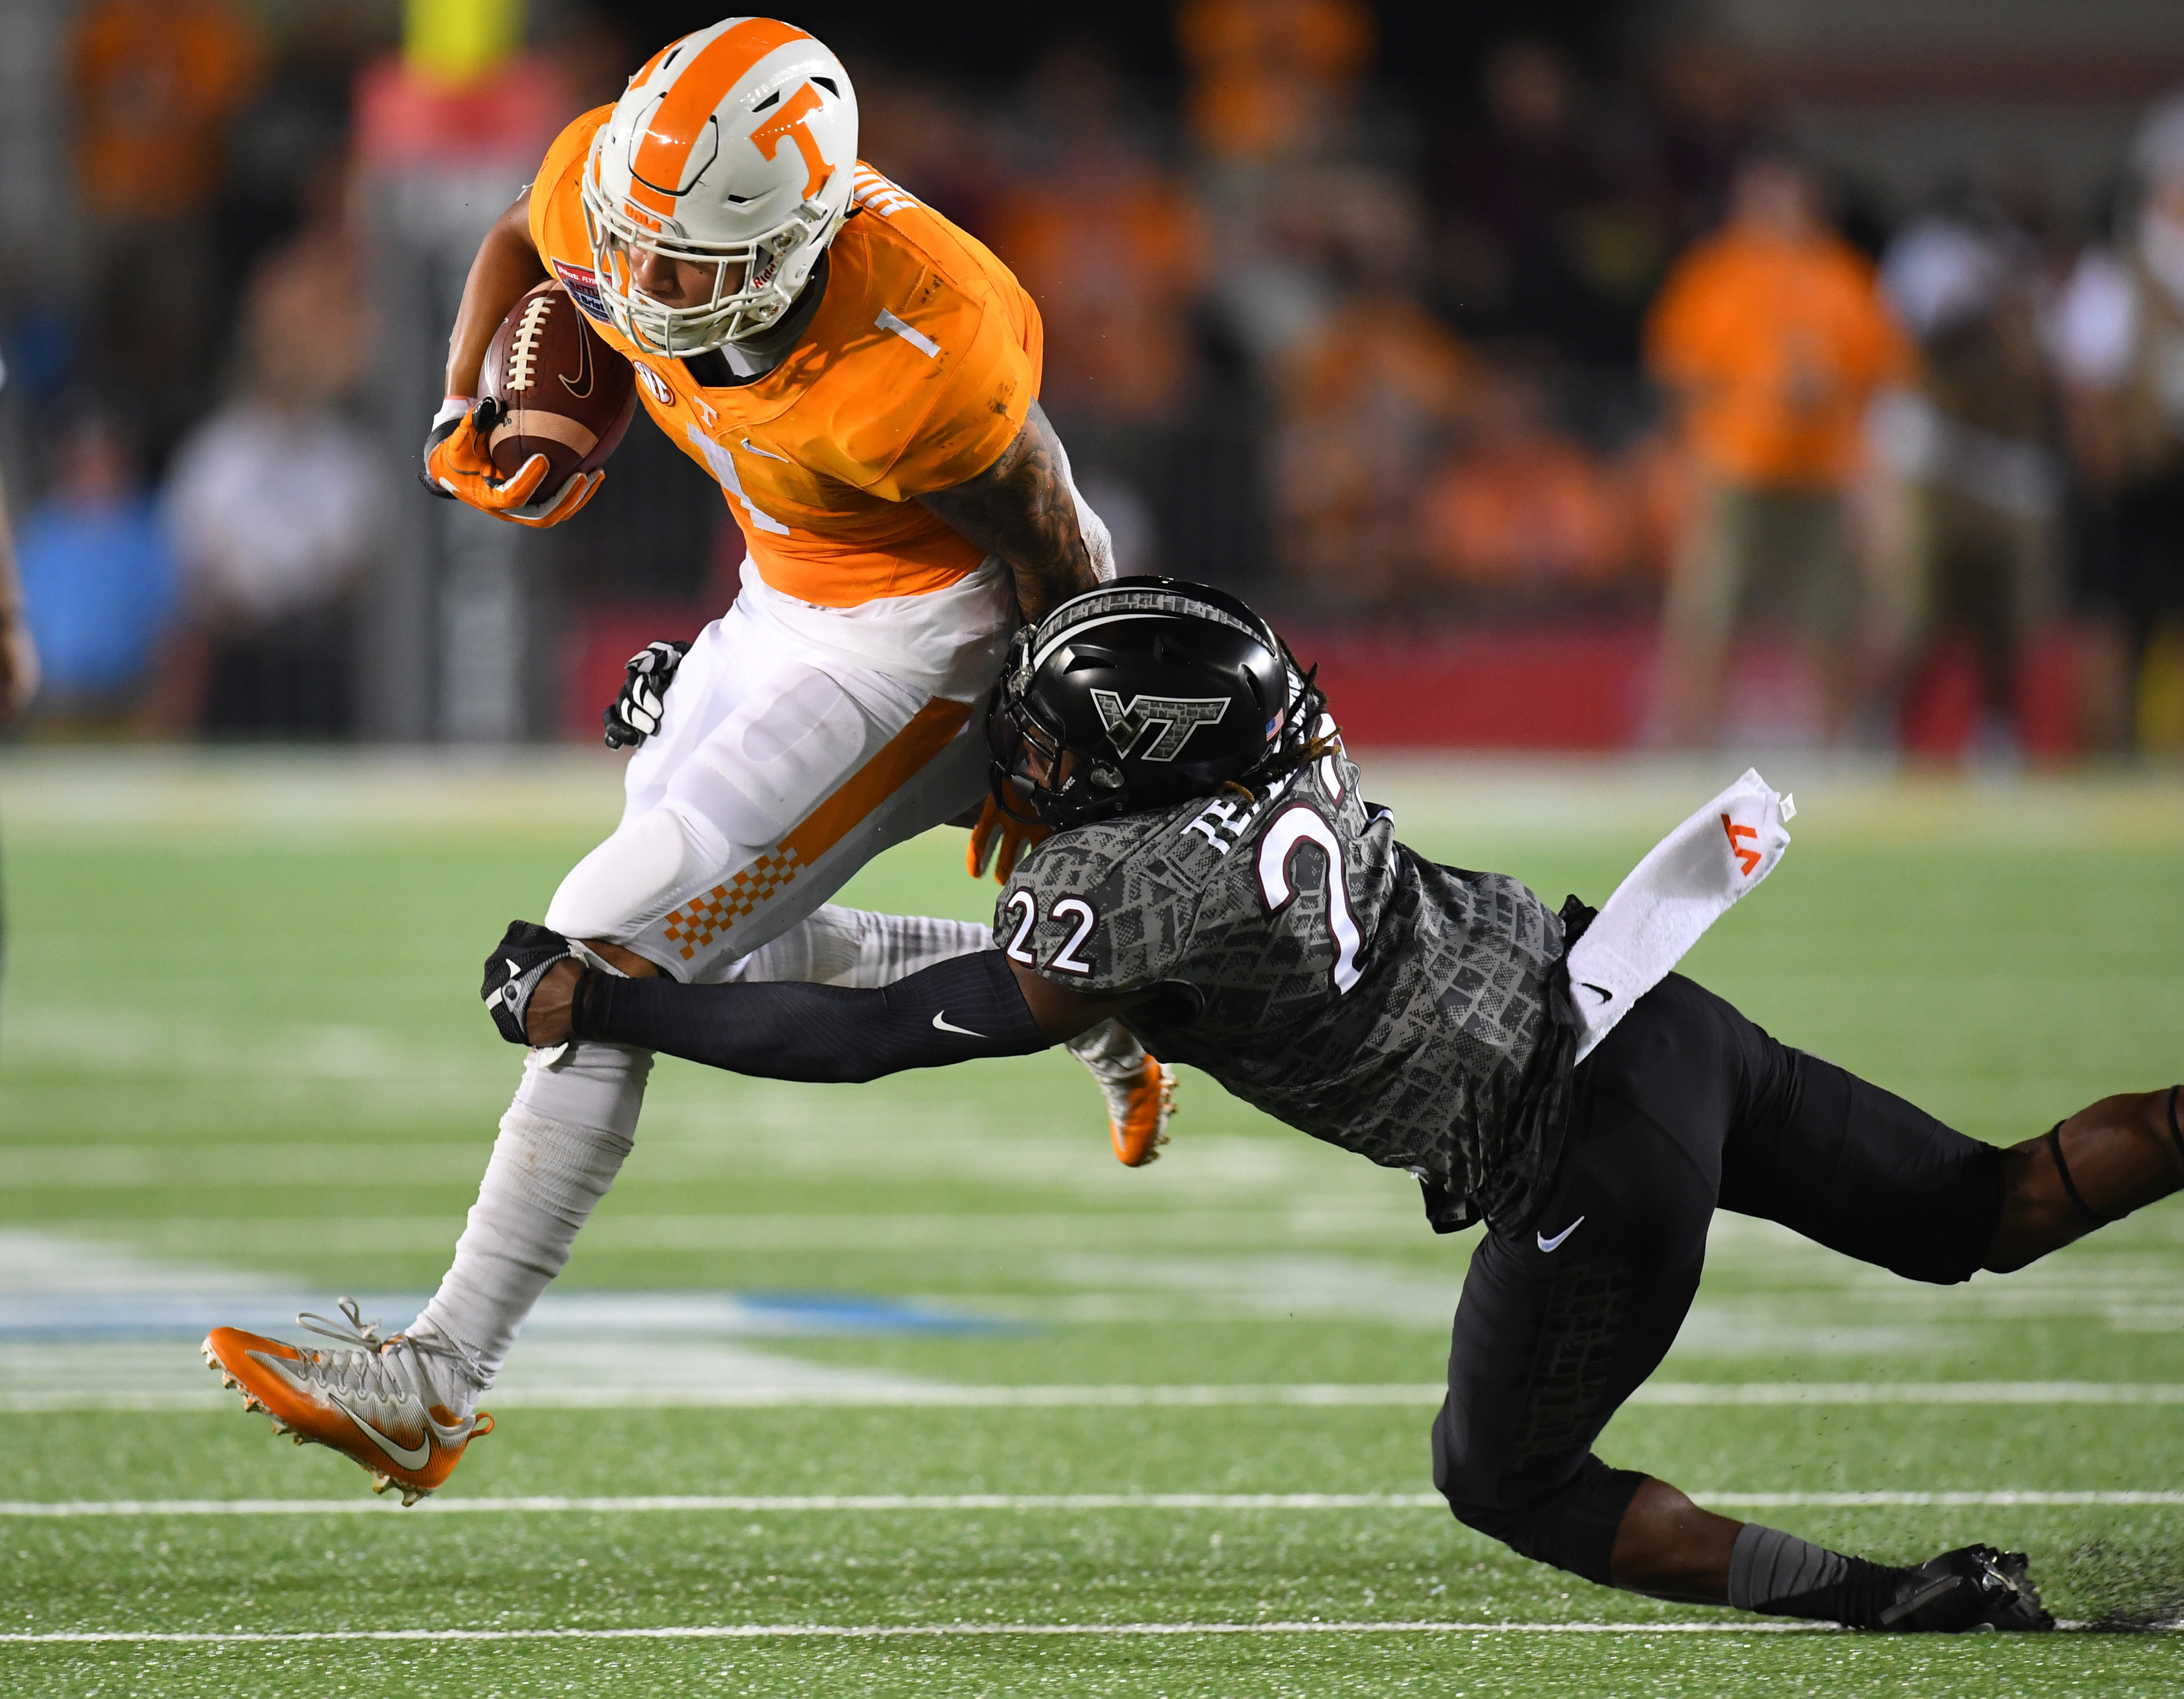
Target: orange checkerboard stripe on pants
{"points": [[846, 822], [784, 760]]}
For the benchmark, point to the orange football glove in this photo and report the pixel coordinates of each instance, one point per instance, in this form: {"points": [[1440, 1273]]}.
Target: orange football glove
{"points": [[458, 466], [1000, 838]]}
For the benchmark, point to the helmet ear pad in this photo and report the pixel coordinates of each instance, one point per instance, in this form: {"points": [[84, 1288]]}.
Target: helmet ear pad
{"points": [[1141, 695]]}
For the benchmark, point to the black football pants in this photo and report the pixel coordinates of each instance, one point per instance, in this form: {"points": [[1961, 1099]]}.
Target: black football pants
{"points": [[1686, 1107]]}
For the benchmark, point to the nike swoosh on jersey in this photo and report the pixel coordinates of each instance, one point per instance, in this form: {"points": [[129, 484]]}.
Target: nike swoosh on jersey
{"points": [[767, 453], [1556, 1243], [1606, 995], [408, 1457], [944, 1024]]}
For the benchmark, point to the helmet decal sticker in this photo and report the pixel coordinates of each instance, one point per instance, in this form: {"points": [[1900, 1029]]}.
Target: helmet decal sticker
{"points": [[1177, 716], [789, 125]]}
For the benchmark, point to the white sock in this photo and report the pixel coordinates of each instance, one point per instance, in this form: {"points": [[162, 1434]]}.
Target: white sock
{"points": [[858, 949], [561, 1145], [1110, 1050]]}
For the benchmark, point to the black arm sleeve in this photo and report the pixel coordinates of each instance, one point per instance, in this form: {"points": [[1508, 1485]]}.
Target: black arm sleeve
{"points": [[969, 1006]]}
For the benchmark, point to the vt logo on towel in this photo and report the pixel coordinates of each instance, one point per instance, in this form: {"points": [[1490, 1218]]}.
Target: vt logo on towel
{"points": [[1745, 853], [1681, 888]]}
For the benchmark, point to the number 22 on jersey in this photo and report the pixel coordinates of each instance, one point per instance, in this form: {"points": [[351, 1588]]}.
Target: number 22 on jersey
{"points": [[1293, 829], [1068, 959]]}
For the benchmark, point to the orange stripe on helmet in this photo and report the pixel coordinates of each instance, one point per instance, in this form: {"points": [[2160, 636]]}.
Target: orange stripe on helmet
{"points": [[652, 64], [663, 151]]}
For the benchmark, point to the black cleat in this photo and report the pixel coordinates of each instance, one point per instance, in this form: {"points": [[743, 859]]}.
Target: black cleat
{"points": [[1974, 1588], [512, 973]]}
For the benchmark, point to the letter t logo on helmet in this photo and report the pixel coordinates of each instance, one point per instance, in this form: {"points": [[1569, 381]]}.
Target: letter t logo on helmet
{"points": [[732, 150], [787, 124]]}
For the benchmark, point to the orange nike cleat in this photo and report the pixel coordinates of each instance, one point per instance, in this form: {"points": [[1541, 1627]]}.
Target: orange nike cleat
{"points": [[1138, 1111], [375, 1403], [1138, 1086]]}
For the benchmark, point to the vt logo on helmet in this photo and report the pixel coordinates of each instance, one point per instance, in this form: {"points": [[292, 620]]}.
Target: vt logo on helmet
{"points": [[1177, 718], [1139, 694], [732, 150]]}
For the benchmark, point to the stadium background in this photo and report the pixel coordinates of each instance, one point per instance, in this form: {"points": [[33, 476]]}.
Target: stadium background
{"points": [[1345, 306], [920, 1358]]}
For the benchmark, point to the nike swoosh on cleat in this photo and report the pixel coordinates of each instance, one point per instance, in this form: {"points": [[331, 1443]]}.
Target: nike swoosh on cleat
{"points": [[1556, 1243], [944, 1024], [409, 1457], [1606, 995]]}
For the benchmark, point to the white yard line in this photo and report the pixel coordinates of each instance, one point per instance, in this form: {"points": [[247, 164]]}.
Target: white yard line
{"points": [[896, 1631], [843, 1390], [868, 1503], [2002, 1498], [1910, 1392]]}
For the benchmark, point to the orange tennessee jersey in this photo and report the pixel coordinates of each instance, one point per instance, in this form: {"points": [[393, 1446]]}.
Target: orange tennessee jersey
{"points": [[918, 371]]}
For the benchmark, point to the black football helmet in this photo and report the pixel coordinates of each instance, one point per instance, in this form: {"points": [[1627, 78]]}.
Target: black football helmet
{"points": [[1160, 688]]}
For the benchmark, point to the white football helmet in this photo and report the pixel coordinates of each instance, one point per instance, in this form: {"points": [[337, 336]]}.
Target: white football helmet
{"points": [[733, 148]]}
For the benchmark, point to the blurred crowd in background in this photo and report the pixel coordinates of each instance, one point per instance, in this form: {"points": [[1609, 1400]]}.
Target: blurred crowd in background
{"points": [[1571, 348]]}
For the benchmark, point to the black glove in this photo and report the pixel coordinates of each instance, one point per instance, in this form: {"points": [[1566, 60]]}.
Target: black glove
{"points": [[634, 715]]}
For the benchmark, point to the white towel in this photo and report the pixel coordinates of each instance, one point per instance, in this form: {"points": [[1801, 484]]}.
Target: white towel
{"points": [[1685, 883]]}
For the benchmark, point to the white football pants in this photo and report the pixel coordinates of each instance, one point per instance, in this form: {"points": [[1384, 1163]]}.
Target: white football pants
{"points": [[778, 770]]}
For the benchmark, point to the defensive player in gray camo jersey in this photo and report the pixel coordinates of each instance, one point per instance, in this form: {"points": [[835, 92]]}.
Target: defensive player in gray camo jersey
{"points": [[1248, 916], [1216, 881]]}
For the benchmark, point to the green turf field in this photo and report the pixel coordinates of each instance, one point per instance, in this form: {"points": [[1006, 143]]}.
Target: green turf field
{"points": [[910, 1388]]}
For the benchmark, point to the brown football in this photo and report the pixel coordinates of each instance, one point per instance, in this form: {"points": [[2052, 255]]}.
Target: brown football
{"points": [[565, 393]]}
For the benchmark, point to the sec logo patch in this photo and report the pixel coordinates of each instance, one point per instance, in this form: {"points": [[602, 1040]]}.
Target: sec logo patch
{"points": [[656, 385]]}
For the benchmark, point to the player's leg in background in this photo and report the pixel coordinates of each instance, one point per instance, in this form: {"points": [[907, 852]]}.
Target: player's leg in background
{"points": [[1812, 531], [772, 780], [1706, 587]]}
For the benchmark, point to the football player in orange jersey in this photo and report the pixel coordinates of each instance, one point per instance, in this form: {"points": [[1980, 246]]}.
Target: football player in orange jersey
{"points": [[861, 378]]}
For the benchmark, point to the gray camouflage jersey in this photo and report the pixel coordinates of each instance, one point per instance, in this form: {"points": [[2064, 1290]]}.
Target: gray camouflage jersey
{"points": [[1398, 1020]]}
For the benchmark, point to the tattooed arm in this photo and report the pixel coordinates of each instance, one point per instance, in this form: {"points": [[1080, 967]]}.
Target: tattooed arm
{"points": [[1020, 508]]}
